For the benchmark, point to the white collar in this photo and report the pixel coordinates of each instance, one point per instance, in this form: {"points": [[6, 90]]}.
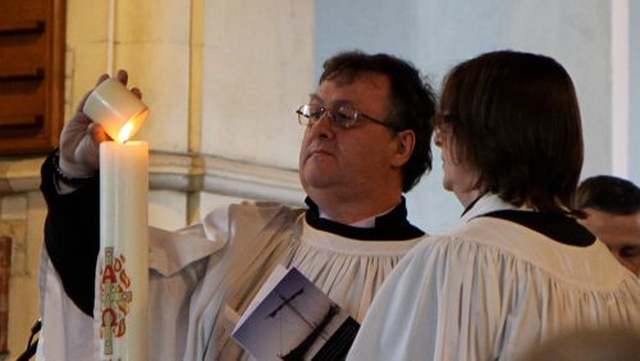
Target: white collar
{"points": [[489, 202], [369, 222]]}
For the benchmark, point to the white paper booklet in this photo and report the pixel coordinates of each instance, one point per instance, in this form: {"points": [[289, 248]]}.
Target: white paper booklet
{"points": [[292, 319]]}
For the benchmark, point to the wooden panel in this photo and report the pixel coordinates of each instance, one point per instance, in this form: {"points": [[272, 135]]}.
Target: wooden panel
{"points": [[23, 10], [31, 75], [22, 27], [20, 121], [22, 73]]}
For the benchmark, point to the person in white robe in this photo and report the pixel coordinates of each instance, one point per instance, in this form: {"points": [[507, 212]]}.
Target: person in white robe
{"points": [[519, 269], [367, 134]]}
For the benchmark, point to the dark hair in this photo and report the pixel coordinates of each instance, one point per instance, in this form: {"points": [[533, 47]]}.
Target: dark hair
{"points": [[515, 118], [413, 101], [608, 194]]}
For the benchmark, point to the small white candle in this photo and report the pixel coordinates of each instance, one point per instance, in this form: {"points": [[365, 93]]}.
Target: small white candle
{"points": [[122, 288]]}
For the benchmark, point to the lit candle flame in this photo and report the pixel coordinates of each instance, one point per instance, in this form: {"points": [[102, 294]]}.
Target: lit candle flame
{"points": [[125, 132], [132, 125]]}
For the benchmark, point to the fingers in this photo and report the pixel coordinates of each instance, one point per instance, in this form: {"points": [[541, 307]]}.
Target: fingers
{"points": [[136, 92], [97, 133], [122, 76], [102, 78]]}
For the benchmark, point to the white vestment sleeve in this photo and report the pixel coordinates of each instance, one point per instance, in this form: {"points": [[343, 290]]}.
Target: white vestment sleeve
{"points": [[64, 327]]}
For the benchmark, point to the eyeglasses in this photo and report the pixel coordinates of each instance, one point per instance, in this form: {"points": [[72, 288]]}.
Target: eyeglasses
{"points": [[345, 116]]}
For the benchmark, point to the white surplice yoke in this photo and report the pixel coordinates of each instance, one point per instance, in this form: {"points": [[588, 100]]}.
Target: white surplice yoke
{"points": [[491, 289], [203, 274]]}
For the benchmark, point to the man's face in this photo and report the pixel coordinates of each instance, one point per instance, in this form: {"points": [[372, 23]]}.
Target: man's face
{"points": [[352, 162], [621, 233]]}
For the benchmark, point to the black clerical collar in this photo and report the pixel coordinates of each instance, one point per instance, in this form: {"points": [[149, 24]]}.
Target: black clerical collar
{"points": [[559, 227], [391, 226]]}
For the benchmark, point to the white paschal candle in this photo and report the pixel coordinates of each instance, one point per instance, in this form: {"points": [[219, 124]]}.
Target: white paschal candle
{"points": [[122, 288]]}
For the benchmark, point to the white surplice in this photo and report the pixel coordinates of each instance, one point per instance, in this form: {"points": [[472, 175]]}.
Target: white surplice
{"points": [[491, 289]]}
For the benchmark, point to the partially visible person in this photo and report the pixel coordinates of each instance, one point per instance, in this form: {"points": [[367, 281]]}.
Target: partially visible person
{"points": [[610, 208], [367, 135], [519, 269]]}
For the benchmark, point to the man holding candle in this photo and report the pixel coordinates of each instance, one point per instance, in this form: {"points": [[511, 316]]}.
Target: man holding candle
{"points": [[366, 142]]}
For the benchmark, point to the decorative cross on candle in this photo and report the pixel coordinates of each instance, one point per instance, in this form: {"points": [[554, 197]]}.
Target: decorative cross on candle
{"points": [[115, 296]]}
